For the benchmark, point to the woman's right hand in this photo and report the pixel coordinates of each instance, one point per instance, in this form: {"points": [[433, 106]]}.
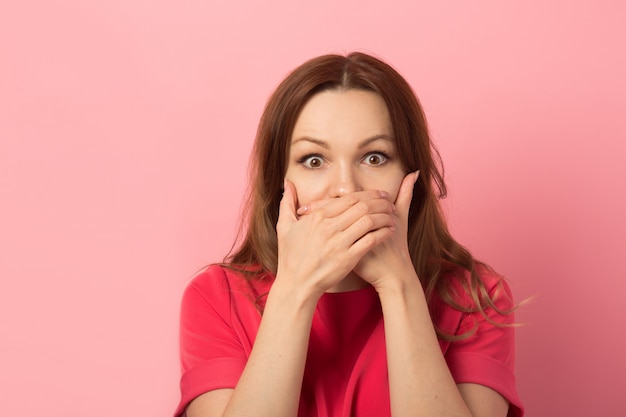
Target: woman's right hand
{"points": [[316, 251]]}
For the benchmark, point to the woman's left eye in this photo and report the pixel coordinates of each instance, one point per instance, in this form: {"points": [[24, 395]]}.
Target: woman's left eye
{"points": [[375, 158]]}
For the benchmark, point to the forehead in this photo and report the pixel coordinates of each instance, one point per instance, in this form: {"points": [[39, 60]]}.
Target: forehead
{"points": [[338, 114]]}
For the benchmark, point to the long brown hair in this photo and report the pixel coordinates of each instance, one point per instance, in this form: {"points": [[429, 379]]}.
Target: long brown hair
{"points": [[436, 256]]}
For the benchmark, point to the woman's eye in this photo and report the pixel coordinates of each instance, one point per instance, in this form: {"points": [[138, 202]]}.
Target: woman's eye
{"points": [[312, 162], [375, 159]]}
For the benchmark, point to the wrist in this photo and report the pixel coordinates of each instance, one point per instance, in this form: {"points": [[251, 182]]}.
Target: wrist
{"points": [[290, 295], [399, 284]]}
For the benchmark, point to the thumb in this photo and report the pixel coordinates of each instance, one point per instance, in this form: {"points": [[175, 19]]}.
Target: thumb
{"points": [[287, 208], [405, 194]]}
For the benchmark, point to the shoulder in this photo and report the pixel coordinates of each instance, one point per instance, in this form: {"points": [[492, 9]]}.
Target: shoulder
{"points": [[219, 286], [481, 346], [213, 278], [218, 322], [463, 296], [496, 293], [473, 291]]}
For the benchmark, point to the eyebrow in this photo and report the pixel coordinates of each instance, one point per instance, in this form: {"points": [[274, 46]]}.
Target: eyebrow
{"points": [[325, 145]]}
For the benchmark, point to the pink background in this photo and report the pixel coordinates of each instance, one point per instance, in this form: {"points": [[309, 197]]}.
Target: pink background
{"points": [[125, 130]]}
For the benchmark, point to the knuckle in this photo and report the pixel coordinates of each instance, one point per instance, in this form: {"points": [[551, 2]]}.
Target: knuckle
{"points": [[318, 215], [367, 222], [362, 207], [368, 240]]}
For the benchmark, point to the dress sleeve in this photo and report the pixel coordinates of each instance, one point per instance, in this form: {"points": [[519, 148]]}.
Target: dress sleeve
{"points": [[211, 354], [487, 356]]}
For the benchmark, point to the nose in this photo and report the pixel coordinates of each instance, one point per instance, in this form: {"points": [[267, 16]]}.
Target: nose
{"points": [[344, 181]]}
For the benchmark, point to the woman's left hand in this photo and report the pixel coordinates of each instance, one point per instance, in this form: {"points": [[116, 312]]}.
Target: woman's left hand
{"points": [[390, 260]]}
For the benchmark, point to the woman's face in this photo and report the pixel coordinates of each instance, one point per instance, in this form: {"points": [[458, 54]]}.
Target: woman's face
{"points": [[343, 142]]}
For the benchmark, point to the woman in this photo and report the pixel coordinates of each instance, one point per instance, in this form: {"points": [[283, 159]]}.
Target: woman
{"points": [[347, 296]]}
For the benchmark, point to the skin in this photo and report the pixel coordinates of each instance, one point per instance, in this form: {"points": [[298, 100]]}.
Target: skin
{"points": [[343, 225], [342, 144]]}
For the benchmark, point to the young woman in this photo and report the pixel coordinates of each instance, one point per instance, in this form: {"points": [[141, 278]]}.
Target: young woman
{"points": [[348, 296]]}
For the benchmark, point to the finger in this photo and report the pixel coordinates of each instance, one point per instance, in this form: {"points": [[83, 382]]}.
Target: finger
{"points": [[365, 225], [405, 193], [362, 209], [287, 208], [336, 206], [369, 241]]}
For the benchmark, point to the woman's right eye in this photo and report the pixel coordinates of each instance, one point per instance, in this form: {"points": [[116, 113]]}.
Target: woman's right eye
{"points": [[312, 161]]}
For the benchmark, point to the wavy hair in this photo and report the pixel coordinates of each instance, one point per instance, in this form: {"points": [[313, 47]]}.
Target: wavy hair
{"points": [[437, 258]]}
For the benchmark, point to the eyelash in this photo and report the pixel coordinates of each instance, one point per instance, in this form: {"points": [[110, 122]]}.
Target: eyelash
{"points": [[306, 157], [302, 160], [385, 156]]}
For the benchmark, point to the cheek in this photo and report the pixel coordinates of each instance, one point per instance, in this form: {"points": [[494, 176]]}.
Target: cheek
{"points": [[393, 187], [307, 191], [390, 183]]}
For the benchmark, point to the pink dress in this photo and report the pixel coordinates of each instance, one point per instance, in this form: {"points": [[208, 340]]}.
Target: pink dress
{"points": [[346, 369]]}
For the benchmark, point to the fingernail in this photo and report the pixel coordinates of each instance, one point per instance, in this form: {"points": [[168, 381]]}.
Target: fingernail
{"points": [[384, 194], [417, 175], [303, 209]]}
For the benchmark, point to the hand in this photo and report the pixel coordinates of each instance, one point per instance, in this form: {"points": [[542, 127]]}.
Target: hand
{"points": [[317, 250], [390, 259]]}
